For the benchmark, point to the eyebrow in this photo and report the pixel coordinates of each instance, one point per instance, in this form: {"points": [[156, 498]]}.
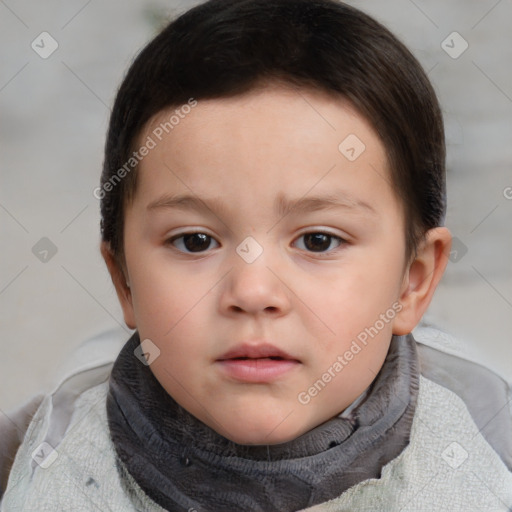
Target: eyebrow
{"points": [[282, 206]]}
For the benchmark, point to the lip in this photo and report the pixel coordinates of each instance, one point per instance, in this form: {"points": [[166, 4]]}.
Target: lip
{"points": [[256, 350], [256, 362]]}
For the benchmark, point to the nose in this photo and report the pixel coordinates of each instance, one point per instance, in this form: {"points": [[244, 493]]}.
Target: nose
{"points": [[254, 289]]}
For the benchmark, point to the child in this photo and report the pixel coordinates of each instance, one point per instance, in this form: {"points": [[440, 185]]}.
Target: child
{"points": [[267, 373]]}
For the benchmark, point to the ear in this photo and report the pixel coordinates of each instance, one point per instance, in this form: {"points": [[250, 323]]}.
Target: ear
{"points": [[121, 285], [421, 278]]}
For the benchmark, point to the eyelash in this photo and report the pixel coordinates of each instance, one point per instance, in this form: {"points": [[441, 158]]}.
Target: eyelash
{"points": [[340, 240]]}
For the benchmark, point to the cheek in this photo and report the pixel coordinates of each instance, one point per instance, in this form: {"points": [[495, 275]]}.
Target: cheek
{"points": [[352, 299], [162, 295]]}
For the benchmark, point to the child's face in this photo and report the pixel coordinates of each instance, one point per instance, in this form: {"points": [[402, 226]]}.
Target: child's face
{"points": [[238, 160]]}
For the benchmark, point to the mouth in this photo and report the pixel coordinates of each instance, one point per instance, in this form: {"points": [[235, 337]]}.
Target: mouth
{"points": [[257, 363]]}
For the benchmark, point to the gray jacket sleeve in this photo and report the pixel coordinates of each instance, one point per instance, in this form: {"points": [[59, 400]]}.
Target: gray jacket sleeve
{"points": [[487, 396], [13, 426]]}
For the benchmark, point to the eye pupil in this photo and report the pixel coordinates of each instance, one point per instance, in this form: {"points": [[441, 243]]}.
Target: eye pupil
{"points": [[200, 242], [196, 242], [317, 241]]}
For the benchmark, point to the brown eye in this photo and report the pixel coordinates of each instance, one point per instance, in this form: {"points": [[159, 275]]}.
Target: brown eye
{"points": [[319, 242], [192, 242]]}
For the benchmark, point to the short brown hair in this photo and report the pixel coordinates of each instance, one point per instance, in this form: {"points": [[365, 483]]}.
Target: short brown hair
{"points": [[223, 48]]}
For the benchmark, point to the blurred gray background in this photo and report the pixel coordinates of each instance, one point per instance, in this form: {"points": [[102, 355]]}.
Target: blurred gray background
{"points": [[54, 111]]}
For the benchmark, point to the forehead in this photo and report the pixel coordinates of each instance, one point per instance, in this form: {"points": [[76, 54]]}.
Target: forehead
{"points": [[260, 145]]}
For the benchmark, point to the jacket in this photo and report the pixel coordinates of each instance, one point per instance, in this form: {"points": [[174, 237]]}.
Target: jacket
{"points": [[459, 456]]}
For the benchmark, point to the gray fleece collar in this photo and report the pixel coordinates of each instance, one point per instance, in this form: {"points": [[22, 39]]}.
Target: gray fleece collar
{"points": [[183, 464]]}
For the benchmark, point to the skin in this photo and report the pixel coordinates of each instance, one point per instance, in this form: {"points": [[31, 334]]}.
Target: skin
{"points": [[194, 306]]}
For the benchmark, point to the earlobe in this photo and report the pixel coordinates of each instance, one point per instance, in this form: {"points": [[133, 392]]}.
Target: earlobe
{"points": [[421, 279], [121, 284]]}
